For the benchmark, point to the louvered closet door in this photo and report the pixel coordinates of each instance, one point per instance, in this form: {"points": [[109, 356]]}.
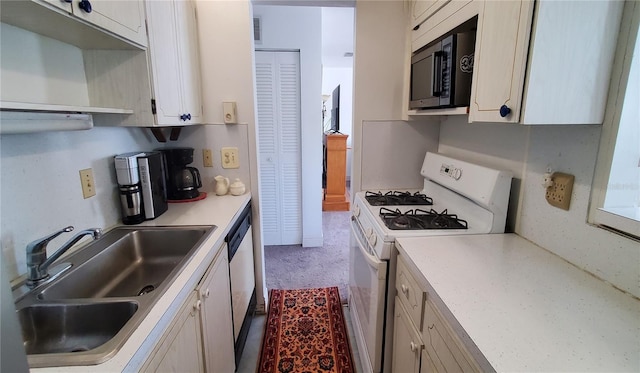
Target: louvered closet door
{"points": [[278, 91]]}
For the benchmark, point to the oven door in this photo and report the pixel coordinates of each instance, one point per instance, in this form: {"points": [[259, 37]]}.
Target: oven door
{"points": [[368, 293]]}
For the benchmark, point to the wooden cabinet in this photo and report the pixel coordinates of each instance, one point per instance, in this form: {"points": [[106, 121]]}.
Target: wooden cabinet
{"points": [[216, 317], [335, 198], [180, 349], [407, 345], [174, 62]]}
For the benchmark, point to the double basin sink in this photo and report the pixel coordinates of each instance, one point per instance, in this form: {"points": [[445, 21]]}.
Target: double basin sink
{"points": [[84, 315]]}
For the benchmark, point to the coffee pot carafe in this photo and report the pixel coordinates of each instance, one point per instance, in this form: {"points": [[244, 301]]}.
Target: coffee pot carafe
{"points": [[182, 181]]}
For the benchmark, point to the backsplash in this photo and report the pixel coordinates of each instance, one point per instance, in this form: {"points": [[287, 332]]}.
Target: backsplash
{"points": [[528, 151], [40, 185]]}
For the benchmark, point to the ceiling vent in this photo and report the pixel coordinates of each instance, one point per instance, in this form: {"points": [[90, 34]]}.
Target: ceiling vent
{"points": [[348, 54], [257, 30]]}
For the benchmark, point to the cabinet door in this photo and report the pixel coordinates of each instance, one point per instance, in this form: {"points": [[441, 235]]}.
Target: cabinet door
{"points": [[217, 323], [165, 62], [175, 66], [502, 43], [62, 4], [189, 58], [122, 17], [407, 345], [422, 9], [181, 347]]}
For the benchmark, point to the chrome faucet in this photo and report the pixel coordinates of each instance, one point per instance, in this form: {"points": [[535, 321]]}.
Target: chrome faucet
{"points": [[37, 261]]}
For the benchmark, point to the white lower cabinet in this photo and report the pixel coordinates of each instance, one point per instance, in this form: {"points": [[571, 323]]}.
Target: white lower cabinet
{"points": [[181, 348], [200, 338], [423, 340], [217, 323], [407, 345]]}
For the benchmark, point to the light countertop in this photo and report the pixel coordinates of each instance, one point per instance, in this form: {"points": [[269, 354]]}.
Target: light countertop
{"points": [[524, 308], [213, 210]]}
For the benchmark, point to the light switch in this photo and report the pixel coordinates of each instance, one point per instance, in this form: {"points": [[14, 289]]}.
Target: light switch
{"points": [[230, 112], [86, 179], [229, 158]]}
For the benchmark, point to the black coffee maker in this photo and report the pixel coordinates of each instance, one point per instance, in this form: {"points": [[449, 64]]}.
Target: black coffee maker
{"points": [[182, 181]]}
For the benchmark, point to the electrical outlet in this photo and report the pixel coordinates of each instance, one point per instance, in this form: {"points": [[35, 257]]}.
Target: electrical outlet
{"points": [[86, 180], [559, 193], [229, 158], [207, 158]]}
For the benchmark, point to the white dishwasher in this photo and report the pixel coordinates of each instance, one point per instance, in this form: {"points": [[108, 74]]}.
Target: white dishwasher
{"points": [[243, 284]]}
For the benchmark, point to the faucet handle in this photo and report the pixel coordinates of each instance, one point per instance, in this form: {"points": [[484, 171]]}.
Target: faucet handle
{"points": [[41, 244]]}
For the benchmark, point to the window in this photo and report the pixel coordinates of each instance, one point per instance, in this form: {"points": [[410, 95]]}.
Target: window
{"points": [[615, 199]]}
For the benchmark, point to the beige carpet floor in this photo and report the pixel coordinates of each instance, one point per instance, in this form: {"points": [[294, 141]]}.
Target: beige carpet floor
{"points": [[297, 267]]}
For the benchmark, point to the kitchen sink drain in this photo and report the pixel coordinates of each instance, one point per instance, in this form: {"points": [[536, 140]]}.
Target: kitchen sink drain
{"points": [[146, 289]]}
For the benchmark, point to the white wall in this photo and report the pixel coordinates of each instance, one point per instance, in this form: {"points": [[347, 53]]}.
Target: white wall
{"points": [[40, 186], [225, 31], [379, 69], [528, 152], [299, 28]]}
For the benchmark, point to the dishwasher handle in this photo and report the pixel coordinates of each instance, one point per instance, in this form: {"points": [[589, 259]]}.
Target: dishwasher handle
{"points": [[238, 231]]}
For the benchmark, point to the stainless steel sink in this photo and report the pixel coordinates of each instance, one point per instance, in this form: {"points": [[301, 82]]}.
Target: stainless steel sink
{"points": [[136, 263], [85, 315], [57, 328]]}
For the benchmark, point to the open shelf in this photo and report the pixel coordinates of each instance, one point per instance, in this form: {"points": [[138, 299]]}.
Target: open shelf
{"points": [[48, 108], [446, 111]]}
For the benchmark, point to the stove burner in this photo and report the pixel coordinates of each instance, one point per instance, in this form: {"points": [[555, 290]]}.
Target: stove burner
{"points": [[397, 198], [420, 219]]}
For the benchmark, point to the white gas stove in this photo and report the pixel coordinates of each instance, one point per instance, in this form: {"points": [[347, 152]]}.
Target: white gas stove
{"points": [[457, 198]]}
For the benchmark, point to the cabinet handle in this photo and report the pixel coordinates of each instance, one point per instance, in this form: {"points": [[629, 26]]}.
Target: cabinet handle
{"points": [[85, 5], [189, 116], [414, 347], [206, 293], [67, 1], [405, 289], [183, 117], [198, 305], [504, 111]]}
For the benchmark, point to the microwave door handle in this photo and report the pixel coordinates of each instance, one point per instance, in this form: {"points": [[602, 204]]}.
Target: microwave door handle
{"points": [[436, 76]]}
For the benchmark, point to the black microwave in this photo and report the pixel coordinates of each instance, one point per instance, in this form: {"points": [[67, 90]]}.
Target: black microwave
{"points": [[441, 72]]}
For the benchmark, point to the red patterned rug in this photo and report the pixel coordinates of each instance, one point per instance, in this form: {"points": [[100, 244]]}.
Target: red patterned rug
{"points": [[305, 331]]}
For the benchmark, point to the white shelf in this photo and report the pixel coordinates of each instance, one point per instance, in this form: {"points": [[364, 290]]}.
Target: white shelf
{"points": [[438, 112], [26, 106]]}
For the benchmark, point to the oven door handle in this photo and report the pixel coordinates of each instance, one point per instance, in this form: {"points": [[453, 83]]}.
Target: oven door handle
{"points": [[373, 261]]}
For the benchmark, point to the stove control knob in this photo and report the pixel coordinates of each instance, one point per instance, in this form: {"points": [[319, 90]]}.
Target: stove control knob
{"points": [[368, 232], [457, 174], [373, 239], [356, 210]]}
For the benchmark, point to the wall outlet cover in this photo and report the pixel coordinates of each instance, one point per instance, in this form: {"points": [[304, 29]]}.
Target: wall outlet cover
{"points": [[207, 158], [86, 180], [559, 193], [230, 112]]}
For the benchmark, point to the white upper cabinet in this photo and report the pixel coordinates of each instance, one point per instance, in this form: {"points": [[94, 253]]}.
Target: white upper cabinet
{"points": [[423, 9], [551, 68], [502, 41], [124, 18], [174, 60], [548, 66], [87, 24]]}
